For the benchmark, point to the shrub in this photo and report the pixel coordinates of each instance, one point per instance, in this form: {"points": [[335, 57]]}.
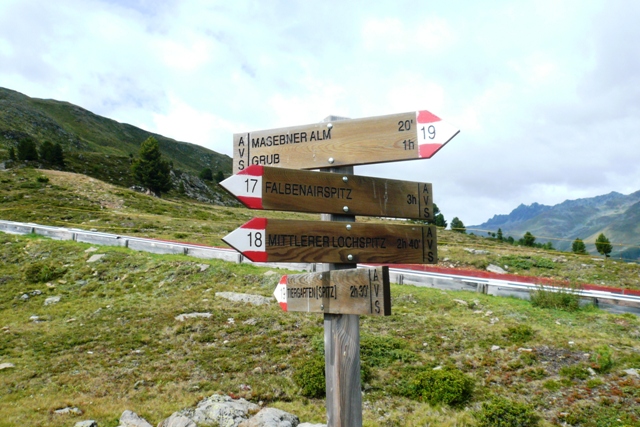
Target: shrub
{"points": [[310, 377], [574, 372], [501, 412], [544, 263], [449, 386], [42, 179], [519, 334], [41, 272], [552, 385], [602, 359], [561, 299], [517, 262], [381, 351]]}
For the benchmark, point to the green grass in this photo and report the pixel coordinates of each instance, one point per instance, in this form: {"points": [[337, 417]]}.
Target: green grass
{"points": [[112, 343]]}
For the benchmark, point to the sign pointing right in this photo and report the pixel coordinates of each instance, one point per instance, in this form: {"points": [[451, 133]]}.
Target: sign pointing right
{"points": [[404, 136]]}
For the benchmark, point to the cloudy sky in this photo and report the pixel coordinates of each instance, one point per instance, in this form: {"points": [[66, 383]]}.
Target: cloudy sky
{"points": [[546, 93]]}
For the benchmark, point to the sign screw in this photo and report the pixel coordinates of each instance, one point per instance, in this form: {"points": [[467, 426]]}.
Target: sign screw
{"points": [[350, 257], [348, 226], [345, 179], [331, 160], [329, 125], [346, 209]]}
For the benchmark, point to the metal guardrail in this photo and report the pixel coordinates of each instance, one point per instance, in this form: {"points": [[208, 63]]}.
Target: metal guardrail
{"points": [[612, 301]]}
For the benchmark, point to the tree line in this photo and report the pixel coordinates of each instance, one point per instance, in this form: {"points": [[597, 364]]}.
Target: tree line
{"points": [[28, 151], [149, 168], [602, 243]]}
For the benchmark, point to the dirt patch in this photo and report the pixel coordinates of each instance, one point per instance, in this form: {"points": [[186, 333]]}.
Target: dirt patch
{"points": [[556, 358]]}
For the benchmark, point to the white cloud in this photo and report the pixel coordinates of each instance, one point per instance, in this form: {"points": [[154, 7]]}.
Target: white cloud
{"points": [[545, 93]]}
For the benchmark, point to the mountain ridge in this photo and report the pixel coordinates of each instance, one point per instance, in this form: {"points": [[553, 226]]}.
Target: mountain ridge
{"points": [[614, 214]]}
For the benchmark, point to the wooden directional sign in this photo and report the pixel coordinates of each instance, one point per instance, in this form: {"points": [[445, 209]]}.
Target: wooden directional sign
{"points": [[405, 136], [271, 240], [264, 187], [351, 291]]}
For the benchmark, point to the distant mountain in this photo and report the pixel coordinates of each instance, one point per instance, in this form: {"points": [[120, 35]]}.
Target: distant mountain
{"points": [[94, 145], [614, 214]]}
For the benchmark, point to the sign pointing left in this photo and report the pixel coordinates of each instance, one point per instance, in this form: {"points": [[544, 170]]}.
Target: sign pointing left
{"points": [[273, 240], [351, 291], [264, 187]]}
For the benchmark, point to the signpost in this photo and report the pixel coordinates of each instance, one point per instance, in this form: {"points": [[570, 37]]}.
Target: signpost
{"points": [[273, 240], [341, 292], [265, 187], [405, 136], [352, 291]]}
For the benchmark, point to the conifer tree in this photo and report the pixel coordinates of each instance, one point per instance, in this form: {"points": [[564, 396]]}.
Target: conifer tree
{"points": [[457, 225], [603, 246], [27, 150], [578, 247], [150, 169], [528, 239]]}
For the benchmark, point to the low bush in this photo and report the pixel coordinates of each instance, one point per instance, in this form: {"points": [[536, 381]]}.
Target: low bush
{"points": [[519, 334], [575, 372], [601, 359], [381, 351], [38, 272], [449, 386], [562, 299], [501, 412], [310, 377]]}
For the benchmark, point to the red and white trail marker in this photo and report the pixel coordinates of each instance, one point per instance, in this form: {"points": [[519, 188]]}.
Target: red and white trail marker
{"points": [[433, 133], [250, 239], [246, 186], [281, 293]]}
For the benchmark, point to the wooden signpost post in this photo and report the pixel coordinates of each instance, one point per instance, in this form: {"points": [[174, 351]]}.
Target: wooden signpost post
{"points": [[405, 136], [341, 292], [264, 187]]}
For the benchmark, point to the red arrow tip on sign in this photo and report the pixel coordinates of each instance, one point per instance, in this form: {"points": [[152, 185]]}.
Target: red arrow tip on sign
{"points": [[246, 186], [251, 244], [433, 133], [281, 293]]}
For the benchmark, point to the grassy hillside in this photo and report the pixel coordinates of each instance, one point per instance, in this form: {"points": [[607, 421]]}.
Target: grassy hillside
{"points": [[72, 200], [112, 343], [93, 144]]}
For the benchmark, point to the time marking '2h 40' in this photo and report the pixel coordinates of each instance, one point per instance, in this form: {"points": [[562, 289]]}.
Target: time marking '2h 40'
{"points": [[271, 240]]}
